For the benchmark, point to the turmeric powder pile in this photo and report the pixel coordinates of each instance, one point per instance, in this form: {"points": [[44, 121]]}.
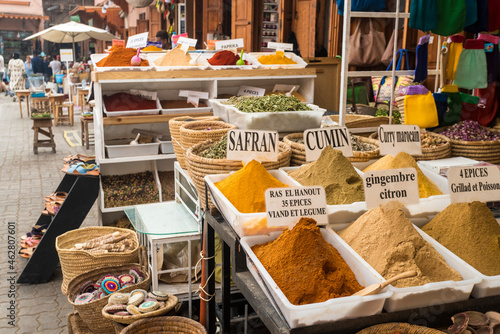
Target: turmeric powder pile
{"points": [[152, 48], [278, 58], [426, 187], [305, 266], [245, 189]]}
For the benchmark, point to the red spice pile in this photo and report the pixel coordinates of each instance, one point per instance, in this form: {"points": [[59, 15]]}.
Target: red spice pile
{"points": [[224, 58], [125, 101]]}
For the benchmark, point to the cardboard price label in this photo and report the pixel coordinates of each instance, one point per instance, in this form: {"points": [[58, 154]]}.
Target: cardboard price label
{"points": [[285, 206], [469, 184], [315, 140], [394, 139], [229, 44], [138, 41], [118, 42], [382, 186], [248, 145], [187, 41], [252, 91], [280, 46], [193, 96], [66, 54]]}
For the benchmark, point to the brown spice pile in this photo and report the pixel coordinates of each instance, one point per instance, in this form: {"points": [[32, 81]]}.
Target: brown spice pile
{"points": [[306, 267], [387, 240], [175, 57], [167, 185], [120, 57]]}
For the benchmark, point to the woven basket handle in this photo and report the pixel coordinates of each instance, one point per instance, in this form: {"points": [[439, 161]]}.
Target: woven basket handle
{"points": [[143, 258]]}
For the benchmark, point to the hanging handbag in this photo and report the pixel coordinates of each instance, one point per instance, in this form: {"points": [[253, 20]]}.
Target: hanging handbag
{"points": [[367, 43], [382, 86]]}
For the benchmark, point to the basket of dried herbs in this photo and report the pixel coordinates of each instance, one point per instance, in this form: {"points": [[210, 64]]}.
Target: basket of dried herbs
{"points": [[209, 157]]}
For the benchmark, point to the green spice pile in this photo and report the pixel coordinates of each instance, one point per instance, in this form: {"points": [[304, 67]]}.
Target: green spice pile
{"points": [[237, 99], [388, 241], [430, 141], [129, 189], [396, 115], [358, 145], [271, 103], [217, 151], [471, 232], [336, 174]]}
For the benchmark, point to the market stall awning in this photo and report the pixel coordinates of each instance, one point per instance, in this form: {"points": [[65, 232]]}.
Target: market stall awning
{"points": [[23, 16]]}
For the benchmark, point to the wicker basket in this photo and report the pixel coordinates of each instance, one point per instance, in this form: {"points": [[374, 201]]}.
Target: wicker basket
{"points": [[76, 262], [171, 303], [165, 325], [174, 125], [199, 167], [430, 153], [398, 327], [76, 325], [299, 150], [91, 313]]}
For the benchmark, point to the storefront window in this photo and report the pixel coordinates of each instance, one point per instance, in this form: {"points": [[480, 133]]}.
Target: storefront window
{"points": [[13, 42]]}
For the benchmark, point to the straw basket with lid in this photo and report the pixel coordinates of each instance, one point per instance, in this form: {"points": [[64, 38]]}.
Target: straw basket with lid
{"points": [[192, 133], [430, 153], [398, 327], [299, 150], [199, 167], [174, 125], [76, 262], [91, 313]]}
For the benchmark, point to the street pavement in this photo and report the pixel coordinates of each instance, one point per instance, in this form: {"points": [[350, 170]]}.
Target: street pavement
{"points": [[25, 179]]}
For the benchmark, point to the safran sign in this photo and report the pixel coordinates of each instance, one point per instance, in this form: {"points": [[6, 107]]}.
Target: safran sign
{"points": [[315, 140], [247, 145]]}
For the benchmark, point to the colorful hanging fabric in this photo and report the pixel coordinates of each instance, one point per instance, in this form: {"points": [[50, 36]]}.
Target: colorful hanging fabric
{"points": [[494, 15], [455, 47], [422, 55], [450, 17], [441, 101], [492, 56], [455, 100], [423, 14], [470, 12], [486, 111], [471, 70], [482, 18], [420, 108]]}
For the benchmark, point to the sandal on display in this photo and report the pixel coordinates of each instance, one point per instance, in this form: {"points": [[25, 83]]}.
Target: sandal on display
{"points": [[57, 196], [79, 158], [36, 232], [51, 208], [81, 168], [27, 252], [30, 242]]}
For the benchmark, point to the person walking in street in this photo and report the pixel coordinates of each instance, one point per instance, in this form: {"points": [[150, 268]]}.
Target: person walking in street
{"points": [[3, 86], [55, 65], [28, 68], [37, 63], [16, 75], [47, 71]]}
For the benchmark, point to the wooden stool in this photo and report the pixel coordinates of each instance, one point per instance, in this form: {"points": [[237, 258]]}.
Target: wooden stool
{"points": [[38, 124], [85, 130], [81, 97], [54, 100], [60, 117], [26, 94], [41, 104]]}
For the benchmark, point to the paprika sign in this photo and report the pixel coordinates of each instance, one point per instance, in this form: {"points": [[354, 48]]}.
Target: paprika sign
{"points": [[394, 139], [382, 186], [247, 145], [469, 184], [229, 44], [285, 206], [315, 140]]}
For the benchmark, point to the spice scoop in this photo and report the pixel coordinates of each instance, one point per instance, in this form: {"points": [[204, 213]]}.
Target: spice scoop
{"points": [[240, 61], [377, 287], [136, 60], [136, 140], [194, 61]]}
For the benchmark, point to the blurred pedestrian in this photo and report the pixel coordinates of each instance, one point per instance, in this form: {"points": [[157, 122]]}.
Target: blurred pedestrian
{"points": [[16, 75], [55, 65], [163, 37], [47, 71], [28, 67], [37, 63]]}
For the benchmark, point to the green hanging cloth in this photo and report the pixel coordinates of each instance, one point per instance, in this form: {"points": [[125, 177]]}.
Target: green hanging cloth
{"points": [[450, 17]]}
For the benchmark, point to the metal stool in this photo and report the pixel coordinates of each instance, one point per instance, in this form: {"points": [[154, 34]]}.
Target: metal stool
{"points": [[60, 117]]}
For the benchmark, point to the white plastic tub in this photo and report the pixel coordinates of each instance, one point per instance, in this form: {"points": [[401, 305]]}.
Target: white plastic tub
{"points": [[166, 146], [300, 62], [118, 148], [436, 293], [201, 63], [193, 110], [282, 121], [219, 109], [246, 57], [130, 112], [236, 219], [99, 56], [332, 309]]}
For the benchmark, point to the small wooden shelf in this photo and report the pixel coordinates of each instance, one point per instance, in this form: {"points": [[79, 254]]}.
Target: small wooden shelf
{"points": [[107, 121]]}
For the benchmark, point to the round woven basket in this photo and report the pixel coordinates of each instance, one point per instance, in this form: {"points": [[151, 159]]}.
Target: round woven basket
{"points": [[169, 305], [193, 133], [76, 325], [430, 153], [299, 150], [199, 167], [398, 327], [91, 313], [174, 125], [76, 262], [165, 325]]}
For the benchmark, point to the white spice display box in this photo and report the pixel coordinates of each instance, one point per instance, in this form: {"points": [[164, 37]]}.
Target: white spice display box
{"points": [[332, 309], [300, 62], [99, 56], [201, 63], [253, 64], [193, 110], [166, 146], [239, 221], [281, 121], [121, 113], [118, 148]]}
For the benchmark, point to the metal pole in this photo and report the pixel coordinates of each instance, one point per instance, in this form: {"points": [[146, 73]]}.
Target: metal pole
{"points": [[345, 61]]}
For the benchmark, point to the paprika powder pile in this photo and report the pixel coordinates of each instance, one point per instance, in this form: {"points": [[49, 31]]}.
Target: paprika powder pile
{"points": [[126, 101], [305, 266], [120, 57], [245, 188], [224, 57]]}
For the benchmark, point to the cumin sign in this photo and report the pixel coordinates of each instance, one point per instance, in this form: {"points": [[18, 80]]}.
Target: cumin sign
{"points": [[315, 140], [247, 145]]}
